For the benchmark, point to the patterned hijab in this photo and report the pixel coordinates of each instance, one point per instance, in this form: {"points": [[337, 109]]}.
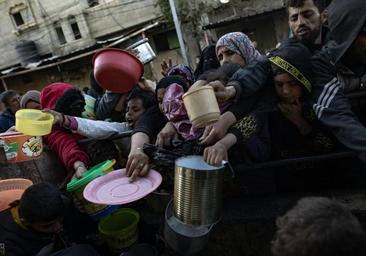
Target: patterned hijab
{"points": [[183, 71], [240, 44]]}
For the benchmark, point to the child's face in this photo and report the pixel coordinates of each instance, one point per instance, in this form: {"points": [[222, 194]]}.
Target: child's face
{"points": [[287, 88], [160, 96], [49, 227], [14, 103], [135, 108]]}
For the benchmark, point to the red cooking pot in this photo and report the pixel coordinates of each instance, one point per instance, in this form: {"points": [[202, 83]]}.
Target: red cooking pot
{"points": [[117, 70]]}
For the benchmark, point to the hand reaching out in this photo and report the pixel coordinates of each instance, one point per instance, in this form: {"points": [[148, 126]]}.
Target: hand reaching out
{"points": [[165, 66]]}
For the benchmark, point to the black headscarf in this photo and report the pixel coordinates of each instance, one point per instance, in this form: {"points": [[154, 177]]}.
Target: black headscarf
{"points": [[166, 81], [208, 61], [294, 58]]}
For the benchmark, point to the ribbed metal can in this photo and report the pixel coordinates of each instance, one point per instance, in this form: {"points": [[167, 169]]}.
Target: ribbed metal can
{"points": [[197, 191]]}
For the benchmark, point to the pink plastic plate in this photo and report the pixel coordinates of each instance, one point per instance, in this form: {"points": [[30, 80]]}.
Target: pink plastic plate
{"points": [[114, 188]]}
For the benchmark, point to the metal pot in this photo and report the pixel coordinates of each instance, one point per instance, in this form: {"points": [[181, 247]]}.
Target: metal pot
{"points": [[183, 238], [158, 201], [197, 191]]}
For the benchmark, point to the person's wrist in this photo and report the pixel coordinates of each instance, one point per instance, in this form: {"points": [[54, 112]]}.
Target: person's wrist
{"points": [[221, 145], [137, 150], [227, 120], [79, 164], [231, 92]]}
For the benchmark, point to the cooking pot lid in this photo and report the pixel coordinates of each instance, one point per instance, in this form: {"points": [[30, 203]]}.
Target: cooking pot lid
{"points": [[196, 163], [115, 188]]}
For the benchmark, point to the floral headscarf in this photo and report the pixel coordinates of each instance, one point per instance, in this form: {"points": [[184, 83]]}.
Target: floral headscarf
{"points": [[183, 71], [240, 44]]}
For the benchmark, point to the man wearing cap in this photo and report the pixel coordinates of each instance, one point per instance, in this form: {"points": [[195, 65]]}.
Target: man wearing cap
{"points": [[340, 68]]}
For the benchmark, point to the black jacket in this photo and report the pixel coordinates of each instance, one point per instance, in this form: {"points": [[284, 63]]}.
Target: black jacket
{"points": [[346, 19], [7, 120], [252, 85], [19, 241]]}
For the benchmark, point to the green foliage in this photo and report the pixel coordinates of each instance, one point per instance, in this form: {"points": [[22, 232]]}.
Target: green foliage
{"points": [[165, 9]]}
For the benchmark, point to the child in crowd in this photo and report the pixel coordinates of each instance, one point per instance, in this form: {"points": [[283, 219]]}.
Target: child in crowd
{"points": [[30, 100], [11, 102], [137, 102], [174, 108], [65, 99], [318, 226], [288, 83], [183, 72], [35, 223]]}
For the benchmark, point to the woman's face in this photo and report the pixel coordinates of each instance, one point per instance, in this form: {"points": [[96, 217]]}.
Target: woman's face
{"points": [[160, 95], [287, 88], [226, 55]]}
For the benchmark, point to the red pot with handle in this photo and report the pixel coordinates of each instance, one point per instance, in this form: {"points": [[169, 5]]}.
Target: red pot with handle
{"points": [[117, 70]]}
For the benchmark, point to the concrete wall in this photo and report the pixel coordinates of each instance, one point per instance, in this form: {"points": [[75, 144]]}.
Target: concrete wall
{"points": [[75, 73], [266, 31], [119, 15], [110, 16]]}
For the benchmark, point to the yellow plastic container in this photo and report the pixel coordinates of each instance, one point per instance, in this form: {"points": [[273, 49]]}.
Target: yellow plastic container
{"points": [[33, 122]]}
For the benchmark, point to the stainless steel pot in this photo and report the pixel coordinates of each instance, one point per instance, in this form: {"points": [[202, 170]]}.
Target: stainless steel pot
{"points": [[183, 238], [197, 191]]}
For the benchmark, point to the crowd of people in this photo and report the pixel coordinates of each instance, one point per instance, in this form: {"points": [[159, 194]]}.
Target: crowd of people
{"points": [[289, 103]]}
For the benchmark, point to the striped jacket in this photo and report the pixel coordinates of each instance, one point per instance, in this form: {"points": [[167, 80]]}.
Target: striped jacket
{"points": [[330, 104]]}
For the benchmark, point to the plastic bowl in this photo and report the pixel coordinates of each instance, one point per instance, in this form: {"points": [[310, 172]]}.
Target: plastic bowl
{"points": [[117, 70], [11, 190], [120, 228], [201, 105], [33, 122]]}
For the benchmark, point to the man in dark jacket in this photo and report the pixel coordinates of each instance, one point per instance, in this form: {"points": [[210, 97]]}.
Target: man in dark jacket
{"points": [[11, 100], [341, 68]]}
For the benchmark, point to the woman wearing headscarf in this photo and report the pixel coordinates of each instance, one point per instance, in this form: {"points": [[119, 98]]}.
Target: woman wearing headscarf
{"points": [[242, 88], [233, 48], [236, 48], [183, 72], [208, 61]]}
